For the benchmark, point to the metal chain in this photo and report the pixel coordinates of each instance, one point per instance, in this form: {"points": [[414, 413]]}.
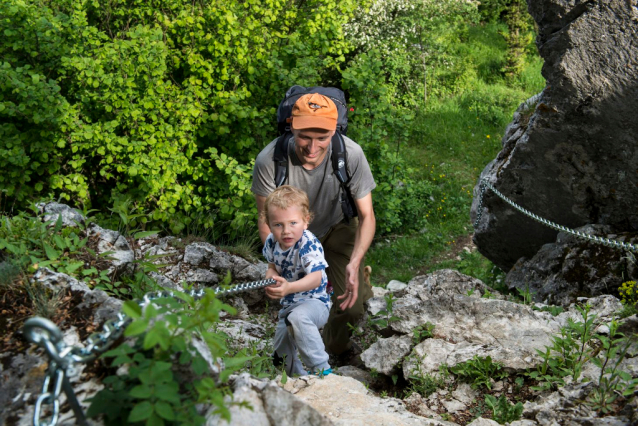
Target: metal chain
{"points": [[47, 335], [599, 240]]}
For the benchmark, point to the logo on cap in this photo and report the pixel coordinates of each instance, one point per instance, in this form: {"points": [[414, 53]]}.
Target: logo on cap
{"points": [[315, 106]]}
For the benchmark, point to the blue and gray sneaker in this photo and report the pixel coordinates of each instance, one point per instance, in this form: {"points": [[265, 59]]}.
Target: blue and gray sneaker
{"points": [[321, 373]]}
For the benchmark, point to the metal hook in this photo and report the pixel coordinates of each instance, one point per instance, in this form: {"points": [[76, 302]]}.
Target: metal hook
{"points": [[37, 329]]}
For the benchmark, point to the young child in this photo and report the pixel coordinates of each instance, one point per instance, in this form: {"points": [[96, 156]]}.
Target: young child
{"points": [[295, 259]]}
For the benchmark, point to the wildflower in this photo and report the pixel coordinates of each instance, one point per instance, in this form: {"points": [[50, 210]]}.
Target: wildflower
{"points": [[351, 109], [487, 136]]}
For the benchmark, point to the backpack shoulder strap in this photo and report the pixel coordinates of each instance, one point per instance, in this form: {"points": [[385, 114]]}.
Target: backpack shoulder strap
{"points": [[340, 158], [340, 169], [280, 158]]}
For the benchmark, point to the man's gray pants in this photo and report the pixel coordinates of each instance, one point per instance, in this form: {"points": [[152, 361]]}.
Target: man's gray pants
{"points": [[303, 319]]}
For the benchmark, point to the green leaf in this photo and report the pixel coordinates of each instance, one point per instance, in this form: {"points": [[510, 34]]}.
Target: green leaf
{"points": [[141, 411], [150, 311], [151, 339], [122, 359], [155, 420], [58, 224], [132, 309], [141, 391], [59, 242], [145, 234], [123, 349], [168, 392], [51, 253], [74, 266], [136, 327], [164, 410]]}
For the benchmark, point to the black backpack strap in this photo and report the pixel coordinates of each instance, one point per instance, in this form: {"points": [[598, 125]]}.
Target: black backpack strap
{"points": [[340, 169], [339, 158], [280, 157]]}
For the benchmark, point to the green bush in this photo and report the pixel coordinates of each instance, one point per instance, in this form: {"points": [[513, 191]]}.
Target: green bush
{"points": [[163, 351], [502, 411], [165, 107], [479, 371]]}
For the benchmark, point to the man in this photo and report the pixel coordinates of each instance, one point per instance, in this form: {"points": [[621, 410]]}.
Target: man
{"points": [[314, 122]]}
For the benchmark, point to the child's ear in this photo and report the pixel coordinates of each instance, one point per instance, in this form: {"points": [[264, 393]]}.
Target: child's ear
{"points": [[307, 221]]}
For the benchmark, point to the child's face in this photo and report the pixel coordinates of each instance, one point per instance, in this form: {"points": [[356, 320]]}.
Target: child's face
{"points": [[287, 225]]}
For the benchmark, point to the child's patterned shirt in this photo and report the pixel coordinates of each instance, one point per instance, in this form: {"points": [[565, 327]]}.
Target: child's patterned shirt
{"points": [[305, 257]]}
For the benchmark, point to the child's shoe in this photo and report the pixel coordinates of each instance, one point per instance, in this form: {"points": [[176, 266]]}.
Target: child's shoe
{"points": [[321, 373]]}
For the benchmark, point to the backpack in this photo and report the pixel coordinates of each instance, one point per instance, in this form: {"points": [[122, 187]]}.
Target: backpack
{"points": [[339, 157]]}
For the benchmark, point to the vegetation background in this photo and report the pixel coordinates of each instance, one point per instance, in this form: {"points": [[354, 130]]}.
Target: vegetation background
{"points": [[148, 115], [151, 113]]}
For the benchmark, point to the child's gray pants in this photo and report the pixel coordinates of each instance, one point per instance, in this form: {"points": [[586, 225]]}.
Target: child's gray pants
{"points": [[305, 319]]}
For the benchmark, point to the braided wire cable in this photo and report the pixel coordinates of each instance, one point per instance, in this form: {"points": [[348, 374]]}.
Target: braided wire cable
{"points": [[599, 240]]}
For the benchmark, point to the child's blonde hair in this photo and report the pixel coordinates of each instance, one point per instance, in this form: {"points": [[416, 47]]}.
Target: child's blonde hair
{"points": [[286, 196]]}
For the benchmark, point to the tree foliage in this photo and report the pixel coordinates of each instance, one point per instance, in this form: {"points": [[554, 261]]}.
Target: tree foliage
{"points": [[162, 106], [162, 103]]}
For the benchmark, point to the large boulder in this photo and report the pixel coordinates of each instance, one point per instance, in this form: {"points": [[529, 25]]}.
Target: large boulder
{"points": [[570, 268], [571, 157]]}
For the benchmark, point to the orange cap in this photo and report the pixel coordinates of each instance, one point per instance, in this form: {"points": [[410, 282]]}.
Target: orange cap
{"points": [[314, 111]]}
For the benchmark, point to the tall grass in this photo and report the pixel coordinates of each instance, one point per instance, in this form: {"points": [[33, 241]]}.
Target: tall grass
{"points": [[451, 142]]}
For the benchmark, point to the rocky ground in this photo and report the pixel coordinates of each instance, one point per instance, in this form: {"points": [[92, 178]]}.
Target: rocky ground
{"points": [[403, 376]]}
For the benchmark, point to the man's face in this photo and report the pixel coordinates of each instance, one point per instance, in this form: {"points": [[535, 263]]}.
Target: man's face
{"points": [[311, 146]]}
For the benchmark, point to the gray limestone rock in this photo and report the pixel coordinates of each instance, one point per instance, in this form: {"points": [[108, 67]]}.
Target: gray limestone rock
{"points": [[270, 405], [465, 393], [396, 287], [421, 406], [571, 157], [197, 253], [165, 282], [244, 334], [363, 376], [570, 267], [243, 270], [52, 211], [379, 292], [202, 276], [103, 306], [375, 305], [447, 282], [221, 261], [483, 422], [385, 354], [564, 407], [121, 253], [508, 330], [347, 402]]}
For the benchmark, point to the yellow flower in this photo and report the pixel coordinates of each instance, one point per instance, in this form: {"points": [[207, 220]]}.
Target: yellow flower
{"points": [[487, 136]]}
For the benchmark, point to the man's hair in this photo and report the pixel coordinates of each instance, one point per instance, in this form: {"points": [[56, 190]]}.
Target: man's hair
{"points": [[286, 196]]}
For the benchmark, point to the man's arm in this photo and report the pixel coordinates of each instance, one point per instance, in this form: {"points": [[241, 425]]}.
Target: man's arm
{"points": [[362, 241], [264, 229]]}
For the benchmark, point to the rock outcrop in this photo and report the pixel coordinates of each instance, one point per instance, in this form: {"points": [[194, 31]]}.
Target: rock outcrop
{"points": [[437, 322], [570, 268], [571, 157]]}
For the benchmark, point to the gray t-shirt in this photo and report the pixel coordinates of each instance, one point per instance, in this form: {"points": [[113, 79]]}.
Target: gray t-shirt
{"points": [[320, 183]]}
